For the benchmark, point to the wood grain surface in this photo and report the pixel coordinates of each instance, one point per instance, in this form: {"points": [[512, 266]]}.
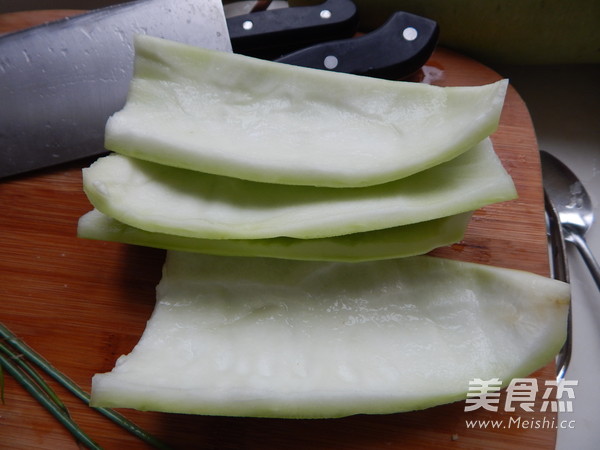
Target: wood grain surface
{"points": [[83, 303]]}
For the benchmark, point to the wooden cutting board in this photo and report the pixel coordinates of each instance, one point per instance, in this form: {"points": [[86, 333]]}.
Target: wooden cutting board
{"points": [[83, 303]]}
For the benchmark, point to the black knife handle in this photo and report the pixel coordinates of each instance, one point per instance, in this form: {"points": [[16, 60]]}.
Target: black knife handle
{"points": [[272, 33], [394, 51]]}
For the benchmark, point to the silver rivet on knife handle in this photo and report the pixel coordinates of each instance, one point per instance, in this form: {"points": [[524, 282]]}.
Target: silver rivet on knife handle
{"points": [[410, 33], [325, 14], [330, 62]]}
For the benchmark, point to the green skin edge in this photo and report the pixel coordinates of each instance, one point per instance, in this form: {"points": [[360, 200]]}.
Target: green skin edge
{"points": [[408, 240]]}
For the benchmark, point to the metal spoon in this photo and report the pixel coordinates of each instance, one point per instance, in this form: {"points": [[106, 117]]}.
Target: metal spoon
{"points": [[560, 271], [573, 205]]}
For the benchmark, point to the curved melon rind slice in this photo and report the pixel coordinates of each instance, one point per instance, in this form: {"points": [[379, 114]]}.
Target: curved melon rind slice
{"points": [[295, 339], [181, 202], [258, 120], [408, 240]]}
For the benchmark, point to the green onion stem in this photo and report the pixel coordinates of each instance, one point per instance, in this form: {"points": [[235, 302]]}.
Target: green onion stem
{"points": [[40, 395], [1, 385], [72, 387], [36, 378]]}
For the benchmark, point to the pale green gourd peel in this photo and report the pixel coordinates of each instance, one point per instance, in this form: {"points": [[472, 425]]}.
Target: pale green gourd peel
{"points": [[408, 240], [295, 339], [182, 202], [247, 118]]}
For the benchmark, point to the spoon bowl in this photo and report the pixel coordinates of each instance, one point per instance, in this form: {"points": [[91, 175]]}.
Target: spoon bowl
{"points": [[573, 205]]}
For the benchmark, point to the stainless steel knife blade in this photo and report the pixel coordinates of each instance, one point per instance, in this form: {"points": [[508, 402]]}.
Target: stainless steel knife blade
{"points": [[46, 71]]}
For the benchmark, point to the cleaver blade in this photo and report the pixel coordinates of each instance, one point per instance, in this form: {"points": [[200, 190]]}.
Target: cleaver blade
{"points": [[42, 108]]}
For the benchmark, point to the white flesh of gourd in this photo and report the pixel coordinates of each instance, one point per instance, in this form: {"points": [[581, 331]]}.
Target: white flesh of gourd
{"points": [[182, 202], [407, 240], [296, 339], [242, 117]]}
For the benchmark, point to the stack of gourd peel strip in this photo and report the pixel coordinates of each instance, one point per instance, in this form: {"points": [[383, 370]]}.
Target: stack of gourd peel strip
{"points": [[294, 204]]}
